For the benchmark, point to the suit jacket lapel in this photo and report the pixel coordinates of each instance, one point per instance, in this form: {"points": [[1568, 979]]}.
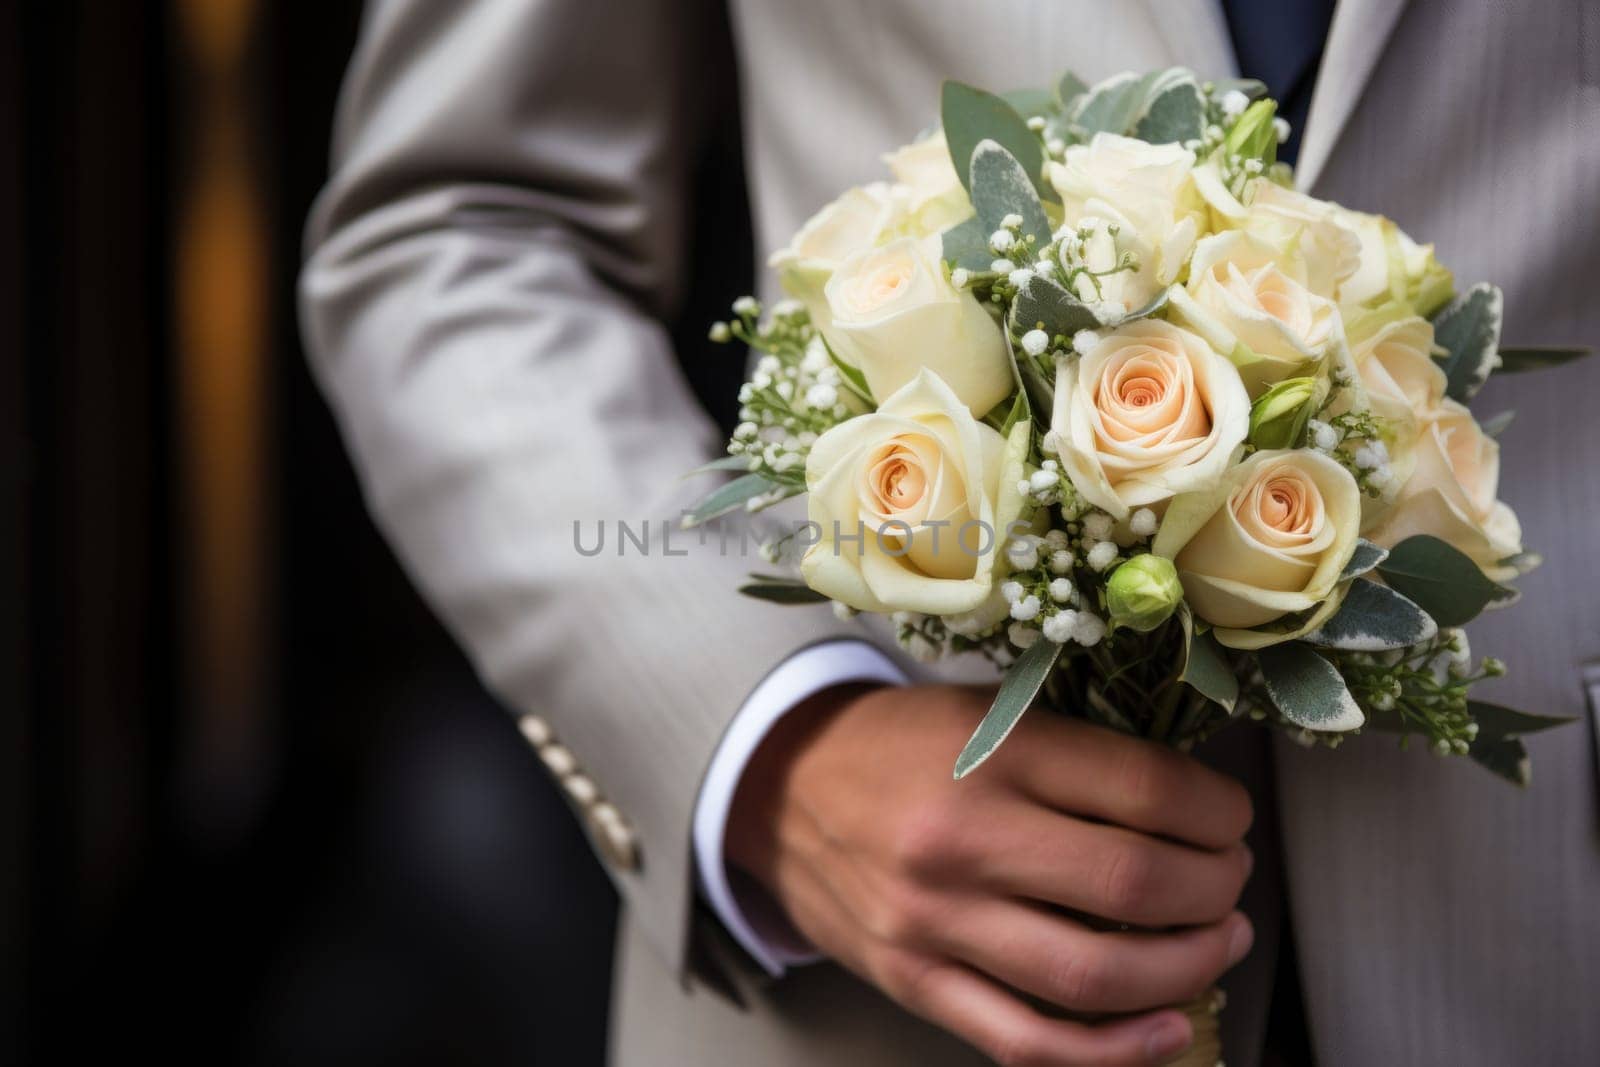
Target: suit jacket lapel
{"points": [[1359, 33]]}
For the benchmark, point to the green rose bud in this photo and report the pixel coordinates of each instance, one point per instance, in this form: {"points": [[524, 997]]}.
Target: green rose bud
{"points": [[1253, 136], [1278, 417], [1143, 592]]}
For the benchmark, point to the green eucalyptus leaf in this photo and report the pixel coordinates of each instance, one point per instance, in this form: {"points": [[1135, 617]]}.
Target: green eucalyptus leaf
{"points": [[1047, 305], [1000, 187], [1469, 329], [729, 497], [1205, 665], [1031, 102], [971, 115], [1504, 756], [1017, 690], [782, 592], [1068, 88], [1372, 618], [1111, 106], [1366, 556], [725, 463], [1495, 720], [1175, 111], [1537, 357], [1440, 579], [1307, 688], [966, 244]]}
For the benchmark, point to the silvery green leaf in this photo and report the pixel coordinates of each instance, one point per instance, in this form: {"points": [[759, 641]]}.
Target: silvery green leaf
{"points": [[1205, 666], [1537, 357], [1504, 756], [1496, 425], [1469, 329], [1373, 618], [726, 463], [1068, 88], [1175, 110], [1366, 556], [1046, 305], [1307, 688], [971, 115], [1031, 102], [1112, 105], [782, 592], [1495, 720], [1440, 579], [1017, 690], [1000, 187], [729, 497], [966, 244]]}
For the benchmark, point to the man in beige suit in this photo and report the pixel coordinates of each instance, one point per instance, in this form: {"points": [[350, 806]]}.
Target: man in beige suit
{"points": [[504, 231]]}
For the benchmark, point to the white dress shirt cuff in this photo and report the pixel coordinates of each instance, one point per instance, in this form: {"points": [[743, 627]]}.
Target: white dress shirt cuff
{"points": [[753, 918]]}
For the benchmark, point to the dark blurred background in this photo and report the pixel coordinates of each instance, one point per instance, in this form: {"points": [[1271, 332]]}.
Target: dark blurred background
{"points": [[256, 808]]}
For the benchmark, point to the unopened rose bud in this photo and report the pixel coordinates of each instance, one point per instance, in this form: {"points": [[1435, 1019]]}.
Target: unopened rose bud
{"points": [[1279, 416], [1143, 593]]}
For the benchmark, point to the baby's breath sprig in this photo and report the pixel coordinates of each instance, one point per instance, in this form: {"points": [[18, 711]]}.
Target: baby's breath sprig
{"points": [[1421, 690], [794, 395]]}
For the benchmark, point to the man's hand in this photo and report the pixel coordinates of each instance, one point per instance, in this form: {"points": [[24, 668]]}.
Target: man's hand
{"points": [[954, 897]]}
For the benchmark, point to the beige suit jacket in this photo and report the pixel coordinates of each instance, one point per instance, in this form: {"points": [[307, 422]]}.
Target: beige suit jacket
{"points": [[504, 230]]}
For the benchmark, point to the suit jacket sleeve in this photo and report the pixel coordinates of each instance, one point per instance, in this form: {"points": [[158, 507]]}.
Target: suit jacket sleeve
{"points": [[487, 266]]}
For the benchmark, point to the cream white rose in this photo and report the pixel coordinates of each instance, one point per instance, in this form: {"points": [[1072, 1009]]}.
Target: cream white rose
{"points": [[1391, 267], [1250, 300], [1150, 411], [1284, 218], [1451, 493], [892, 311], [925, 177], [862, 218], [1146, 192], [1394, 359], [913, 504], [1269, 540]]}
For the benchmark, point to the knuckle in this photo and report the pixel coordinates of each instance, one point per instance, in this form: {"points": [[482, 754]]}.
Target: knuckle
{"points": [[1020, 1047], [903, 976], [1080, 978], [922, 841], [901, 915], [1129, 879], [1147, 782]]}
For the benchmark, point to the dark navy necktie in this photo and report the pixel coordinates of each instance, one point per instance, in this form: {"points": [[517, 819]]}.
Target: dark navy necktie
{"points": [[1280, 43]]}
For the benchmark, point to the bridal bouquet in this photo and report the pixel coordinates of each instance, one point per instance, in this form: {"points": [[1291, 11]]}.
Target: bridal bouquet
{"points": [[1089, 389]]}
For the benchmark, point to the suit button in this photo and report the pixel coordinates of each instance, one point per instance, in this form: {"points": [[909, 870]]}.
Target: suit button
{"points": [[536, 730], [559, 760], [581, 789], [613, 836]]}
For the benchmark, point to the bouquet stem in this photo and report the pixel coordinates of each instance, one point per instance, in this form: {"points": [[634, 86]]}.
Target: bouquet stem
{"points": [[1205, 1015]]}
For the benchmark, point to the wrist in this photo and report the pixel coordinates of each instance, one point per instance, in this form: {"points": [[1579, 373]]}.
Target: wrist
{"points": [[755, 829]]}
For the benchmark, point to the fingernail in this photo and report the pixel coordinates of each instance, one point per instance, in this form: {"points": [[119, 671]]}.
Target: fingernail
{"points": [[1167, 1040], [1240, 940]]}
